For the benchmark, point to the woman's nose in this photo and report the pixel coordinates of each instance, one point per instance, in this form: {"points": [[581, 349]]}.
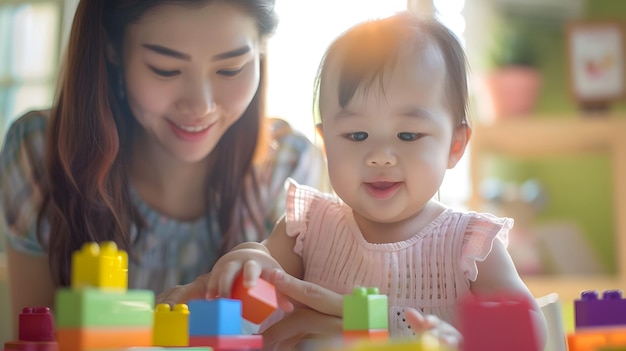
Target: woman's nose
{"points": [[197, 101]]}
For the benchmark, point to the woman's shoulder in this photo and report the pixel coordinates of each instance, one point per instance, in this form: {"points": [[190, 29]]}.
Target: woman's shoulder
{"points": [[21, 179], [24, 139]]}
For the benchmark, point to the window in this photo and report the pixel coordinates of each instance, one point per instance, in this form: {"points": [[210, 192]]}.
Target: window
{"points": [[29, 42], [304, 31]]}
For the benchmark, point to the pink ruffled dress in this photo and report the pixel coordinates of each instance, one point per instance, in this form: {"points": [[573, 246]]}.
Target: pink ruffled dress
{"points": [[430, 271]]}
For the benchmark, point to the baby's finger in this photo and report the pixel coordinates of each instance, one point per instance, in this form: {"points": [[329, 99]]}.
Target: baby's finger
{"points": [[227, 277], [307, 293], [251, 272], [419, 322]]}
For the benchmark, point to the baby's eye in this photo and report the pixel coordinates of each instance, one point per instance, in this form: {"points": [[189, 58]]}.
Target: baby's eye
{"points": [[230, 72], [163, 73], [357, 136], [406, 136]]}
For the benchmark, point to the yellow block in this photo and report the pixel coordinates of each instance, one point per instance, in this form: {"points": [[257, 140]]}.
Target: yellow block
{"points": [[100, 266], [171, 327]]}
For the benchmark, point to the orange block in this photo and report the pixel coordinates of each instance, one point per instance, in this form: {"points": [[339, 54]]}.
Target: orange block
{"points": [[75, 339], [257, 302], [593, 338], [370, 334]]}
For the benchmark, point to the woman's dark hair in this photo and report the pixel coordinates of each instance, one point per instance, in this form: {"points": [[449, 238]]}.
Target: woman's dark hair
{"points": [[88, 197], [367, 51]]}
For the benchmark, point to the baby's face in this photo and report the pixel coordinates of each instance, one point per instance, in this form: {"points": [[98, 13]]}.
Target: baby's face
{"points": [[389, 148]]}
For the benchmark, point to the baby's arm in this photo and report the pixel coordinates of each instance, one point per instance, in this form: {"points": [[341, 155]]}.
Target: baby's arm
{"points": [[497, 274]]}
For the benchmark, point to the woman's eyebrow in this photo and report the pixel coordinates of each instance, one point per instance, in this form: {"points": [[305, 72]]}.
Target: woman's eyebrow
{"points": [[167, 51], [233, 53]]}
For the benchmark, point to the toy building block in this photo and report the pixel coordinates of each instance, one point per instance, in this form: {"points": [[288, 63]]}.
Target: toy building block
{"points": [[591, 311], [258, 302], [31, 346], [217, 317], [156, 348], [425, 343], [91, 308], [82, 339], [35, 331], [102, 266], [171, 326], [369, 334], [36, 324], [231, 342], [365, 309], [497, 323], [591, 339]]}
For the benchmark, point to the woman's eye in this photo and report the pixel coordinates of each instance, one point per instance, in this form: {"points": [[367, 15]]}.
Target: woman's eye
{"points": [[230, 72], [165, 74], [358, 136], [406, 136]]}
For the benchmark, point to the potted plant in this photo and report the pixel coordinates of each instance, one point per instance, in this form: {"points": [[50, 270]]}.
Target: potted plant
{"points": [[513, 82]]}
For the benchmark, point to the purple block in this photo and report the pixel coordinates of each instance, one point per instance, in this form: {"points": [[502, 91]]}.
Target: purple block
{"points": [[591, 311]]}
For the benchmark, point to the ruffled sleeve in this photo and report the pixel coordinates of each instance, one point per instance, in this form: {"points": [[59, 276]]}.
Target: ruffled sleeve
{"points": [[21, 182], [301, 201], [482, 230]]}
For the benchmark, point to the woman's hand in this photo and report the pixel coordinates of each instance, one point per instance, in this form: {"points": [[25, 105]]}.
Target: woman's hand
{"points": [[195, 290], [250, 259], [316, 313], [445, 333]]}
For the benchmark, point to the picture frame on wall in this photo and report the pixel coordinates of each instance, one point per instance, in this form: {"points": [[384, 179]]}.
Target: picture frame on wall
{"points": [[595, 55]]}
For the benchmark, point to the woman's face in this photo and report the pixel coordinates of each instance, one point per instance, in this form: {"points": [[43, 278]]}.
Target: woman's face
{"points": [[190, 73]]}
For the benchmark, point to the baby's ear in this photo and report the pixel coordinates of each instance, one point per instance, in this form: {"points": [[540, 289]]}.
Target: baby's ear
{"points": [[318, 129], [319, 137], [460, 138]]}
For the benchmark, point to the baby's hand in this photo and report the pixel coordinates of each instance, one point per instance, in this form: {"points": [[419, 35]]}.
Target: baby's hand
{"points": [[251, 260], [445, 333]]}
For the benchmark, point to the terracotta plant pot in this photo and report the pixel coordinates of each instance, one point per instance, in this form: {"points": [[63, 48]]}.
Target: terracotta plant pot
{"points": [[510, 92]]}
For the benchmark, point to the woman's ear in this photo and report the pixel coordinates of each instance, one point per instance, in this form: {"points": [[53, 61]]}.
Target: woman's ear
{"points": [[110, 52], [460, 138]]}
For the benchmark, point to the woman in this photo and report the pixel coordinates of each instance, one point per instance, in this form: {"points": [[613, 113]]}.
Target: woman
{"points": [[157, 141]]}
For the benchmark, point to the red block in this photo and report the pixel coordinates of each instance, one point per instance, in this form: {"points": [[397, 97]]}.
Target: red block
{"points": [[234, 342], [497, 323], [36, 324], [257, 302]]}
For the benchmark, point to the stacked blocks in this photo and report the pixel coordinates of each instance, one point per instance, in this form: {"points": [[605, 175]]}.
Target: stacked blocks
{"points": [[365, 315], [496, 323], [171, 326], [258, 302], [217, 323], [36, 331], [600, 323], [98, 312]]}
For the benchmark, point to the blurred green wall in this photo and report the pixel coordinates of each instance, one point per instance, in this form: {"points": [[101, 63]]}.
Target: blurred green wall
{"points": [[578, 187]]}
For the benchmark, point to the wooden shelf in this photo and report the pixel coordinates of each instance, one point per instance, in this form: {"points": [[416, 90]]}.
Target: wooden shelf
{"points": [[534, 137]]}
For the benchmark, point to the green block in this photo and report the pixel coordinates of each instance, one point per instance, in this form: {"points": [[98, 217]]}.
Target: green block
{"points": [[365, 309], [104, 308]]}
